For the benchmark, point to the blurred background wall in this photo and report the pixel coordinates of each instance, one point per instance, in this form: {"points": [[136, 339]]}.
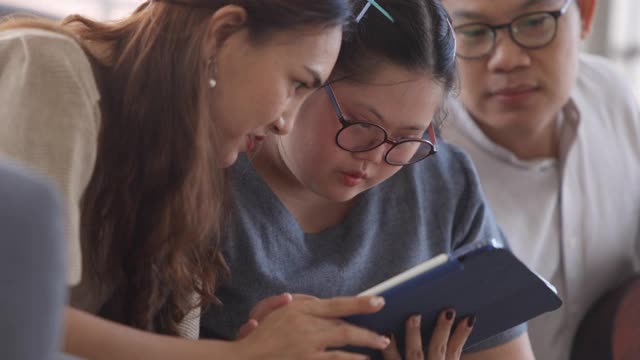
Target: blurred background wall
{"points": [[616, 35], [616, 32]]}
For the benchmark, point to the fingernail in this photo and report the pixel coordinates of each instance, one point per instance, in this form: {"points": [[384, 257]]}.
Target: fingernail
{"points": [[391, 337], [415, 321], [471, 321], [384, 341], [376, 301], [449, 315]]}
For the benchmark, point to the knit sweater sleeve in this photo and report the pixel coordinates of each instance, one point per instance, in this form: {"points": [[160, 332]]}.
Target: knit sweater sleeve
{"points": [[50, 118]]}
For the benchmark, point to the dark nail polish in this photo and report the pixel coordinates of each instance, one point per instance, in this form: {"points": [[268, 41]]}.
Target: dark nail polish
{"points": [[471, 321], [449, 315]]}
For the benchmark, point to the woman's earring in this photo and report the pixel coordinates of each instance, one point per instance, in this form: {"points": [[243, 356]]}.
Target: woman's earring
{"points": [[212, 81]]}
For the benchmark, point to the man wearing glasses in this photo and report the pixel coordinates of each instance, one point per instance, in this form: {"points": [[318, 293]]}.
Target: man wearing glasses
{"points": [[555, 136]]}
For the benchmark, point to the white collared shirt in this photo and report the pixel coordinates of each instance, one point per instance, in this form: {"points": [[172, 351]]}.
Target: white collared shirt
{"points": [[574, 220]]}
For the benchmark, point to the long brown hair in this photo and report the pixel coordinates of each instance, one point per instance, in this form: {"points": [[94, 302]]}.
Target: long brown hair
{"points": [[152, 213]]}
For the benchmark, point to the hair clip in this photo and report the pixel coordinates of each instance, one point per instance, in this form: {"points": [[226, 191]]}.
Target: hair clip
{"points": [[453, 33], [380, 8]]}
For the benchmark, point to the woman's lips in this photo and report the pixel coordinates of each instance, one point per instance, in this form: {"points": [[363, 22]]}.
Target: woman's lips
{"points": [[252, 142]]}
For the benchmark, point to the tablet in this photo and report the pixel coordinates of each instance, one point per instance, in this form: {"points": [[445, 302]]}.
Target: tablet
{"points": [[482, 279]]}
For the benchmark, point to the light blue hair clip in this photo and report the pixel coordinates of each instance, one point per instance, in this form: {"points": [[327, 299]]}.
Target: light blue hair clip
{"points": [[380, 8], [453, 33]]}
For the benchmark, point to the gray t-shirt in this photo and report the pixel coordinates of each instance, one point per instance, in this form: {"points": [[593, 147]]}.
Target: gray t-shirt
{"points": [[428, 208]]}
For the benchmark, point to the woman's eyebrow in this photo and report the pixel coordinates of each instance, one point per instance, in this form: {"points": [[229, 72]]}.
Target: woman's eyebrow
{"points": [[317, 79]]}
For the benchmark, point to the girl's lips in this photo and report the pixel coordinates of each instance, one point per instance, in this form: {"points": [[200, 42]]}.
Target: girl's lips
{"points": [[355, 174], [353, 178]]}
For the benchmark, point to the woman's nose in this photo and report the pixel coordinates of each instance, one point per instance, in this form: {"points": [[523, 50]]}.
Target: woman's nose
{"points": [[281, 126]]}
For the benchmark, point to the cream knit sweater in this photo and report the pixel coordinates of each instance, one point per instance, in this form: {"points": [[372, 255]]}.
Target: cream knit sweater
{"points": [[49, 121]]}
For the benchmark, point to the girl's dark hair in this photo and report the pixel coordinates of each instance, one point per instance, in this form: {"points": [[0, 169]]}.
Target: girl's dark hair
{"points": [[419, 39], [153, 210]]}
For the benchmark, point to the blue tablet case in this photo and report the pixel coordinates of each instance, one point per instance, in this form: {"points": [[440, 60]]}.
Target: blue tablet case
{"points": [[482, 279]]}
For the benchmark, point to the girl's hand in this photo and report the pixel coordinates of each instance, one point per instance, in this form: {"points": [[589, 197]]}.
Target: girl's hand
{"points": [[441, 347]]}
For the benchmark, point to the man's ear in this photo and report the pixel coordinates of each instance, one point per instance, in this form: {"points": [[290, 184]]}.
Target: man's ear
{"points": [[587, 14], [223, 23]]}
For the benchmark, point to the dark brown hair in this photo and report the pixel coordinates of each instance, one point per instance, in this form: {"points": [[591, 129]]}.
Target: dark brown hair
{"points": [[152, 213], [419, 39]]}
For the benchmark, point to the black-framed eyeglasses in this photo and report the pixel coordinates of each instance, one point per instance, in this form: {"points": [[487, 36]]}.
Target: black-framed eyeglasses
{"points": [[530, 31], [360, 136]]}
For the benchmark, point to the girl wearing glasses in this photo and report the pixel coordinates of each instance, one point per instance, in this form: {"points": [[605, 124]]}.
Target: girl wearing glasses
{"points": [[360, 190], [132, 120]]}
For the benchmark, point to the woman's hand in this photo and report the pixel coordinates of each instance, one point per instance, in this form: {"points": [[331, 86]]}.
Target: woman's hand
{"points": [[443, 344], [261, 310], [301, 330], [264, 307], [304, 327]]}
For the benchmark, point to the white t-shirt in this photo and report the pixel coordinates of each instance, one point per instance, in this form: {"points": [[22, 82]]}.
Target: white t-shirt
{"points": [[574, 220]]}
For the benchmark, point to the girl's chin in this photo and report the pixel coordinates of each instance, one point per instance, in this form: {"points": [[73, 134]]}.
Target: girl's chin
{"points": [[342, 195]]}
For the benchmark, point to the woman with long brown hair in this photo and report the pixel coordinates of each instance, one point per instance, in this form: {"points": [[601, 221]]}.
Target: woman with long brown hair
{"points": [[133, 121]]}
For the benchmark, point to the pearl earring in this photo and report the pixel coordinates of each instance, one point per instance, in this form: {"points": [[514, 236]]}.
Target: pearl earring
{"points": [[212, 81]]}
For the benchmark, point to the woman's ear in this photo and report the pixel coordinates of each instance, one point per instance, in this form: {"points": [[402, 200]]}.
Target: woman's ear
{"points": [[225, 22]]}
